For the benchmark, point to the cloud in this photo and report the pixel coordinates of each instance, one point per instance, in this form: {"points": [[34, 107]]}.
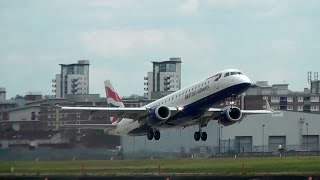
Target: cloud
{"points": [[258, 7], [110, 3], [284, 46], [189, 6], [126, 42]]}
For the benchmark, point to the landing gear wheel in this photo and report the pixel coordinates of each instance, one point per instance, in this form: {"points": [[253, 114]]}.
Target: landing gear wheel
{"points": [[156, 135], [204, 136], [197, 136], [150, 135]]}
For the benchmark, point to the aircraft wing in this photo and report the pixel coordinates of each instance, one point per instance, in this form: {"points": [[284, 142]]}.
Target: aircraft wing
{"points": [[106, 127], [214, 112], [244, 112], [136, 113]]}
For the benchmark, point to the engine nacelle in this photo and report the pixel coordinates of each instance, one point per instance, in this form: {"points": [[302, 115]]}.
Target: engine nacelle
{"points": [[230, 115], [158, 114]]}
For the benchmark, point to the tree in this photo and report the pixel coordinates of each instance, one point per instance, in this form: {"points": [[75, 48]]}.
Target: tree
{"points": [[17, 97]]}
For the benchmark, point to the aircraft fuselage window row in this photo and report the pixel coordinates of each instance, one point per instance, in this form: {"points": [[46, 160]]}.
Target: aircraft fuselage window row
{"points": [[184, 92]]}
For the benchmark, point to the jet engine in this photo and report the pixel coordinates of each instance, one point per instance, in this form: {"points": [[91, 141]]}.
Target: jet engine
{"points": [[158, 114], [230, 115]]}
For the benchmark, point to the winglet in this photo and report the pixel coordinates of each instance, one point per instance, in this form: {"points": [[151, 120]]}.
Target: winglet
{"points": [[268, 106]]}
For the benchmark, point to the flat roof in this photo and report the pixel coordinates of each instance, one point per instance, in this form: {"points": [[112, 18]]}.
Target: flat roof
{"points": [[169, 61], [73, 64]]}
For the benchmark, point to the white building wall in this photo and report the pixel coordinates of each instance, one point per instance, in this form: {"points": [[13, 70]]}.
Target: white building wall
{"points": [[23, 114], [82, 84], [174, 85], [281, 124], [2, 94], [156, 72], [83, 79], [172, 140], [150, 84], [58, 92]]}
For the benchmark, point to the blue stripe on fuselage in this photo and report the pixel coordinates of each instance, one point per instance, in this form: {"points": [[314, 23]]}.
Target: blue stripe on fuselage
{"points": [[198, 108]]}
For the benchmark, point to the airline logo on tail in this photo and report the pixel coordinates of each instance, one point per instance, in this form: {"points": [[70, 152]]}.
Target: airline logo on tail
{"points": [[113, 99]]}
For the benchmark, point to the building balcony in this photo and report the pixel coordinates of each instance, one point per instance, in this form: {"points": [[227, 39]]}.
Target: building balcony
{"points": [[53, 80], [74, 85], [54, 91], [146, 89], [145, 78], [54, 85], [145, 83]]}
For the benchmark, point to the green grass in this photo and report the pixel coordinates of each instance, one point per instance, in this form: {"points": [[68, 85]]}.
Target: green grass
{"points": [[212, 166]]}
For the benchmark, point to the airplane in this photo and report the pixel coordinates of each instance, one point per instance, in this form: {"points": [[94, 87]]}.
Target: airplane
{"points": [[189, 106]]}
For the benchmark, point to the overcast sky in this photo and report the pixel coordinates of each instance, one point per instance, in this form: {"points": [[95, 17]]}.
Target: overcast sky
{"points": [[273, 40]]}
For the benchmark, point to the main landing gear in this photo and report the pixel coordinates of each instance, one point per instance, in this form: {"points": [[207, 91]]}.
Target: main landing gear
{"points": [[200, 135], [153, 134]]}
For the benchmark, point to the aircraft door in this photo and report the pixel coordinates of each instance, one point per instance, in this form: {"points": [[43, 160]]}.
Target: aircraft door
{"points": [[216, 80], [216, 84]]}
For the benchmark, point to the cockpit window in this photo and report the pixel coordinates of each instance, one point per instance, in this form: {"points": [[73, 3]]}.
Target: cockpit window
{"points": [[235, 73], [231, 73]]}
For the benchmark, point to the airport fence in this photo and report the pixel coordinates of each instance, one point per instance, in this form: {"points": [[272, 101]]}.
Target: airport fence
{"points": [[84, 153], [58, 154]]}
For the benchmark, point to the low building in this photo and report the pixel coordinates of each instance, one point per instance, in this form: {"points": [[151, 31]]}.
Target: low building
{"points": [[292, 131]]}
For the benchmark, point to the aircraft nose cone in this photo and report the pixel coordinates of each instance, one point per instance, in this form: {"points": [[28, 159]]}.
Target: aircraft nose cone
{"points": [[246, 81]]}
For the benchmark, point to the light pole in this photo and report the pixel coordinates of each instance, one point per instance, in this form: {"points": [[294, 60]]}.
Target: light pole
{"points": [[301, 122], [307, 136], [221, 136], [263, 138]]}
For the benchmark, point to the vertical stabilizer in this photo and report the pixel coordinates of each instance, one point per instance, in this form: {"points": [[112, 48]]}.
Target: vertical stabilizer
{"points": [[113, 99]]}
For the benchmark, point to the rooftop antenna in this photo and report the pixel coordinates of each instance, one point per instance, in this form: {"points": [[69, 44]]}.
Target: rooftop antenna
{"points": [[316, 75], [309, 77]]}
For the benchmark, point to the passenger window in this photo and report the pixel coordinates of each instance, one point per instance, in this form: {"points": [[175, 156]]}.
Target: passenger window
{"points": [[233, 73], [226, 74]]}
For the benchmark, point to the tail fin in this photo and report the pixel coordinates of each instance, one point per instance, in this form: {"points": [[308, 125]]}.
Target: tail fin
{"points": [[113, 99]]}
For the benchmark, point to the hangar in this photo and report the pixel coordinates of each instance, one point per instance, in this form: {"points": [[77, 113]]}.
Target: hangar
{"points": [[290, 131]]}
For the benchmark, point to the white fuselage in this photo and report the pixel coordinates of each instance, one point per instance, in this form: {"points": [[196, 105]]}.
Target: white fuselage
{"points": [[218, 83]]}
